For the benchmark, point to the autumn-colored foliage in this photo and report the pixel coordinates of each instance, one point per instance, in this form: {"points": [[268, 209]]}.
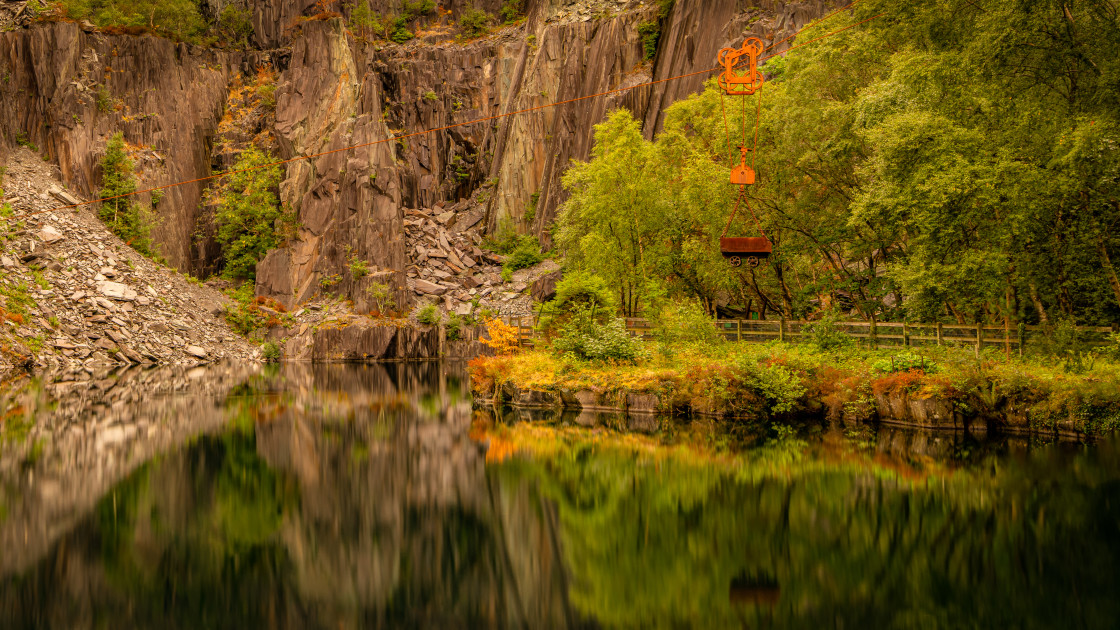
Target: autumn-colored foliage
{"points": [[504, 339]]}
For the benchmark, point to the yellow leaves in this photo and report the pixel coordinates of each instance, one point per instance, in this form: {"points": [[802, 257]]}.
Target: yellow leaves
{"points": [[504, 339]]}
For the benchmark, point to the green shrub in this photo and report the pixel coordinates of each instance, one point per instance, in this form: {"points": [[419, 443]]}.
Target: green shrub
{"points": [[586, 337], [650, 32], [577, 289], [358, 268], [826, 336], [243, 316], [505, 239], [511, 10], [267, 94], [531, 209], [250, 219], [270, 352], [474, 22], [365, 22], [380, 294], [454, 330], [401, 35], [429, 315], [104, 100], [431, 96], [235, 25], [123, 216], [905, 362], [527, 254], [413, 9], [684, 322], [778, 384], [178, 19]]}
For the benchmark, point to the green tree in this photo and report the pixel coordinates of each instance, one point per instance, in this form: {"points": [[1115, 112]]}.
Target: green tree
{"points": [[250, 219], [120, 212]]}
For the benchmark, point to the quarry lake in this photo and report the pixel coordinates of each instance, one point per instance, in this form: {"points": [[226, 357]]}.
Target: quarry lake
{"points": [[358, 496]]}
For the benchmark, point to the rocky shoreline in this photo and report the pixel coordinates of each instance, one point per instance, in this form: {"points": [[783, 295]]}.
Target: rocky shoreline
{"points": [[74, 295], [973, 413]]}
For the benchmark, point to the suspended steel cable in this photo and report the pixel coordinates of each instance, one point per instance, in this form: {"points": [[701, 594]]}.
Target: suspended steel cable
{"points": [[465, 123]]}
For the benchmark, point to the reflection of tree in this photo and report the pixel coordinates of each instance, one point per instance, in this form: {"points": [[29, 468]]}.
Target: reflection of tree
{"points": [[1032, 545], [341, 496]]}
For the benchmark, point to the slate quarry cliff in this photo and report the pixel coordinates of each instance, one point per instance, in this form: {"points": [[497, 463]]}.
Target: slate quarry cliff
{"points": [[66, 87]]}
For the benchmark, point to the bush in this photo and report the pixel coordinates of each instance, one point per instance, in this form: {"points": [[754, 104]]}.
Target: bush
{"points": [[650, 33], [905, 362], [503, 338], [179, 19], [235, 25], [474, 22], [366, 22], [358, 268], [684, 321], [527, 254], [270, 352], [585, 337], [380, 294], [576, 289], [511, 10], [123, 216], [454, 330], [777, 383], [826, 336], [250, 219], [401, 35], [429, 315]]}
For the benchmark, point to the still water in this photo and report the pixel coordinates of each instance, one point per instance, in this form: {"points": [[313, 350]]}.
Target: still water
{"points": [[341, 496]]}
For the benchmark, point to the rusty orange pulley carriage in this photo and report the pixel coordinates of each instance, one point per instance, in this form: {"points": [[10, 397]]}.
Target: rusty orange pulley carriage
{"points": [[737, 80]]}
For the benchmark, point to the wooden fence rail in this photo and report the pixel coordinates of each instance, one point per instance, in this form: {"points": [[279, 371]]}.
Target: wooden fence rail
{"points": [[872, 333]]}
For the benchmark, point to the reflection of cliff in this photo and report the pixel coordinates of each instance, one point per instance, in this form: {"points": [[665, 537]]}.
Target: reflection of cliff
{"points": [[349, 496]]}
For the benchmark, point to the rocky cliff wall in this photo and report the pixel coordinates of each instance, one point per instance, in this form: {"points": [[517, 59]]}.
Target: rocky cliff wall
{"points": [[69, 89], [65, 92]]}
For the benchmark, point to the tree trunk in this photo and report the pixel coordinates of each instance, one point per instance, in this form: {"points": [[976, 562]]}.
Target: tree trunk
{"points": [[1033, 290], [787, 297], [1109, 270]]}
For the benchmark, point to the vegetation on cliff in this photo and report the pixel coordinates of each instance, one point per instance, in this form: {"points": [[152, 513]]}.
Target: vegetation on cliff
{"points": [[933, 165], [120, 212], [250, 218]]}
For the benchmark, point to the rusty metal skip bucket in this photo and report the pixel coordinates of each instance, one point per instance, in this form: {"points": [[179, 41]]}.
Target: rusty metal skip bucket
{"points": [[751, 249]]}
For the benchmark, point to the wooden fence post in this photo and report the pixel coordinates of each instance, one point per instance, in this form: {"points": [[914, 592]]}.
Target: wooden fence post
{"points": [[1006, 338], [1022, 338], [782, 328], [905, 335], [979, 337], [738, 330], [873, 333], [939, 333]]}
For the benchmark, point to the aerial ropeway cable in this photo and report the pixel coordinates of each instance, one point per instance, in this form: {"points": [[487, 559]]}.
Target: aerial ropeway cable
{"points": [[742, 175]]}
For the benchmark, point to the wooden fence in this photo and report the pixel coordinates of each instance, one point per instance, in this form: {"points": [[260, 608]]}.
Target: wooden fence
{"points": [[871, 334]]}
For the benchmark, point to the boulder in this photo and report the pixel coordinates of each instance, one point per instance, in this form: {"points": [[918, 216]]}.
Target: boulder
{"points": [[49, 234], [116, 290], [543, 288]]}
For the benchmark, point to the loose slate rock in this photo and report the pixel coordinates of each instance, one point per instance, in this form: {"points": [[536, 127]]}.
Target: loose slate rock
{"points": [[116, 290], [195, 351], [50, 234]]}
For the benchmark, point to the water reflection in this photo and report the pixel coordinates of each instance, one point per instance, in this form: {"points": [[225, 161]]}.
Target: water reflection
{"points": [[350, 496], [316, 496]]}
